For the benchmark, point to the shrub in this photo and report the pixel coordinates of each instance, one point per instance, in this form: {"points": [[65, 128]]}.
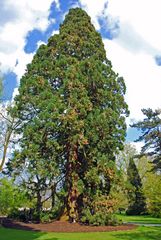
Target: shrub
{"points": [[11, 197], [46, 217], [101, 212], [24, 215], [99, 218]]}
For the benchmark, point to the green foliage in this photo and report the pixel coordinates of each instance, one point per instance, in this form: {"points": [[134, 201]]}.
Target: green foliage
{"points": [[151, 185], [11, 197], [30, 214], [119, 192], [122, 188], [152, 190], [46, 217], [21, 214], [100, 211], [137, 203], [151, 135], [72, 113], [99, 218]]}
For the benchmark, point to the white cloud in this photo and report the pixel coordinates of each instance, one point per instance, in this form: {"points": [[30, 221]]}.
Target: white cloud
{"points": [[55, 32], [57, 4], [15, 92], [39, 43], [141, 74], [23, 60], [144, 16], [131, 40], [17, 19], [137, 145], [134, 49], [94, 9]]}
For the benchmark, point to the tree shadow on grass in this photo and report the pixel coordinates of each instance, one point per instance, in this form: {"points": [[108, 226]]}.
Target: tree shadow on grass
{"points": [[14, 234], [10, 230], [9, 223], [148, 233]]}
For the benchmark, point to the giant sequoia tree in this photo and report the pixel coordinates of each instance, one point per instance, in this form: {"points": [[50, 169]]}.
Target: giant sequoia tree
{"points": [[72, 111]]}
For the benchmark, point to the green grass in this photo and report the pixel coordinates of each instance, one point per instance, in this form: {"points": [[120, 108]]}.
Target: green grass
{"points": [[141, 233], [139, 219]]}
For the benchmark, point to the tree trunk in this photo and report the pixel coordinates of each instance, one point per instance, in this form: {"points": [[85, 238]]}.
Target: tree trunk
{"points": [[53, 190], [6, 143], [72, 182], [38, 205]]}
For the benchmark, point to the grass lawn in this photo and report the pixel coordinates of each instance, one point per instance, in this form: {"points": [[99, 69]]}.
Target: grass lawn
{"points": [[141, 233], [139, 219]]}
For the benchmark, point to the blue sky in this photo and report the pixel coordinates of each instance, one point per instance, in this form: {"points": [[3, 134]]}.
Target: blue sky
{"points": [[130, 31]]}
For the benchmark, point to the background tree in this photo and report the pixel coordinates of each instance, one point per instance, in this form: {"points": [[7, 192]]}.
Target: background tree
{"points": [[151, 135], [7, 125], [151, 182], [123, 158], [72, 113], [152, 191], [11, 197], [34, 162], [7, 136], [123, 186], [137, 203]]}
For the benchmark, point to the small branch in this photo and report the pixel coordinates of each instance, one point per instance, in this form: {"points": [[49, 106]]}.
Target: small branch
{"points": [[5, 117]]}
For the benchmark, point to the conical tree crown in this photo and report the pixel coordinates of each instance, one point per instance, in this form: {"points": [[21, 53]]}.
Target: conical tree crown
{"points": [[72, 112], [78, 37], [133, 174], [137, 201]]}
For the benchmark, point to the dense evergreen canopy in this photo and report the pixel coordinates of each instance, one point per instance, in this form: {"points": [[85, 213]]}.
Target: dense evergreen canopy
{"points": [[72, 111]]}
